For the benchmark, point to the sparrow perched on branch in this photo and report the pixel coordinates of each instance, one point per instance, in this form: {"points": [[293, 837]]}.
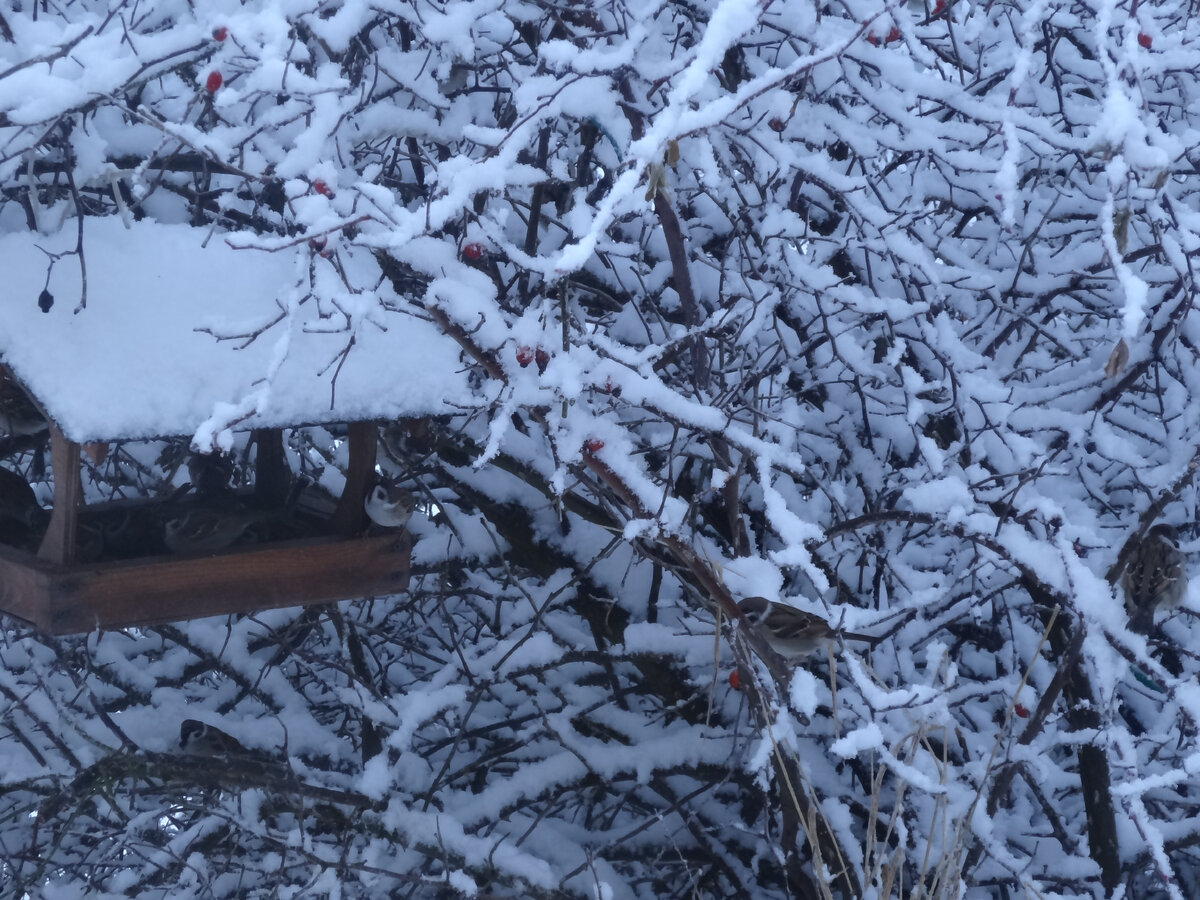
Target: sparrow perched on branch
{"points": [[1154, 578], [389, 505], [790, 632], [201, 739]]}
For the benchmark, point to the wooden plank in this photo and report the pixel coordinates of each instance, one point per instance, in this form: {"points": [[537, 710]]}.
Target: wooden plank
{"points": [[25, 586], [59, 543], [350, 517], [166, 589]]}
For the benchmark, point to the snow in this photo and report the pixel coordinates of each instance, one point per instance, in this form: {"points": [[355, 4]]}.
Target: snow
{"points": [[143, 359], [803, 692], [462, 882], [911, 257]]}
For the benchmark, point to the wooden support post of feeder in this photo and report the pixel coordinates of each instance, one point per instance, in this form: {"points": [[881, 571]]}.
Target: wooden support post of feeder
{"points": [[58, 546], [272, 480], [350, 517]]}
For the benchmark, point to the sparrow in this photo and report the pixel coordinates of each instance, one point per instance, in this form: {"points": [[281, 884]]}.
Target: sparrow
{"points": [[790, 632], [210, 474], [406, 437], [204, 530], [18, 415], [22, 519], [391, 439], [389, 505], [1154, 578], [17, 500], [456, 79], [198, 738]]}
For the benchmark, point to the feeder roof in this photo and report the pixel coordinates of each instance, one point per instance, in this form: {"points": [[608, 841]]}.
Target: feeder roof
{"points": [[139, 361]]}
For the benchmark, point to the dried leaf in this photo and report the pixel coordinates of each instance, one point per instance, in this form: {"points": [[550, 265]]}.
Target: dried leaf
{"points": [[96, 452], [672, 155], [1121, 228], [656, 180], [1117, 359]]}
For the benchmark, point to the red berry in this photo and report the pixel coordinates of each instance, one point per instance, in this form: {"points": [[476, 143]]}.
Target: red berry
{"points": [[524, 355], [892, 35], [939, 7], [472, 251], [735, 680], [607, 387], [1145, 40], [213, 82], [872, 40], [322, 188], [219, 34], [542, 358], [776, 125], [593, 445], [318, 243], [1021, 711]]}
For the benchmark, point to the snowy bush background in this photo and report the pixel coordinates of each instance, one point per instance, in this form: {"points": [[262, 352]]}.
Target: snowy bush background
{"points": [[823, 303]]}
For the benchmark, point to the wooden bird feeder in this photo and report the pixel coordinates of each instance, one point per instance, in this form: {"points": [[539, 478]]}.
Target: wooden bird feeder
{"points": [[60, 595], [177, 332]]}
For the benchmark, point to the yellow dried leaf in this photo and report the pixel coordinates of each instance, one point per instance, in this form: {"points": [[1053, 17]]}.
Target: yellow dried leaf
{"points": [[656, 180], [1117, 359], [1121, 228], [96, 452]]}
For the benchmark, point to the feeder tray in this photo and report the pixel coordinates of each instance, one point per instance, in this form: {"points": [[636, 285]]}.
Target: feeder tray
{"points": [[59, 594]]}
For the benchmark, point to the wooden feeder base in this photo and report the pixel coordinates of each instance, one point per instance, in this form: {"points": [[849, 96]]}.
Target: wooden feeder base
{"points": [[71, 599]]}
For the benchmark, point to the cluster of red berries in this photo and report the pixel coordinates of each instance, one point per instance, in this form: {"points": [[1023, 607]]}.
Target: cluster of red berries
{"points": [[214, 80], [538, 355], [892, 35]]}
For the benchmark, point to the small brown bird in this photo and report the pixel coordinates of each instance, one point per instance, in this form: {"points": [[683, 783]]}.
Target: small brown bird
{"points": [[22, 519], [203, 530], [17, 499], [18, 414], [389, 505], [793, 633], [201, 739], [210, 474], [1154, 578]]}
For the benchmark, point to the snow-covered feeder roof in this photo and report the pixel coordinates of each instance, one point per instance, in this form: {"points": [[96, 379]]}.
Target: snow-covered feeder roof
{"points": [[140, 361]]}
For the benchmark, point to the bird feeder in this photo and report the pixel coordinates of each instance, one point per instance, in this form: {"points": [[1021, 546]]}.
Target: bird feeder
{"points": [[177, 339], [59, 594]]}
